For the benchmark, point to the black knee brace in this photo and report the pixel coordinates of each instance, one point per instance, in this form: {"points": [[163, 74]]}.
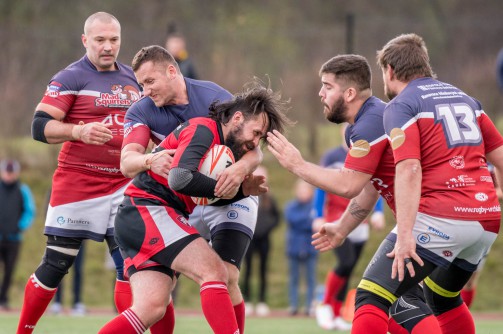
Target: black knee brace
{"points": [[55, 264], [410, 308], [231, 245]]}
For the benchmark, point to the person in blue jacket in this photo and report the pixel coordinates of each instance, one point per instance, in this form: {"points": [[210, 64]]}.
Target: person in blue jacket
{"points": [[302, 256], [17, 210]]}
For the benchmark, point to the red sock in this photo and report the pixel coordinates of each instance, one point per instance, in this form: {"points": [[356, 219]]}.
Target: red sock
{"points": [[217, 308], [467, 296], [125, 323], [239, 310], [395, 328], [336, 307], [167, 324], [36, 299], [458, 320], [123, 296], [370, 319], [428, 325], [333, 286]]}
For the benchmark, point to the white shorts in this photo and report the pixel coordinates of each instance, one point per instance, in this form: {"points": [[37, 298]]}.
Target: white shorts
{"points": [[241, 216], [442, 240], [88, 219], [360, 233]]}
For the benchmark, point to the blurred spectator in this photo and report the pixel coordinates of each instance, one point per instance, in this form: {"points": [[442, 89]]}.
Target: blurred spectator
{"points": [[175, 44], [301, 254], [268, 219], [17, 210]]}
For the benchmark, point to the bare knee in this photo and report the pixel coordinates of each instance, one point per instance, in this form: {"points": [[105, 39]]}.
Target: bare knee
{"points": [[149, 311], [233, 274], [233, 284], [215, 272], [151, 295]]}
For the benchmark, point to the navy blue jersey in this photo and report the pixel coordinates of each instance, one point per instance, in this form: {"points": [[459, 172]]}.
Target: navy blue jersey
{"points": [[144, 120], [369, 150]]}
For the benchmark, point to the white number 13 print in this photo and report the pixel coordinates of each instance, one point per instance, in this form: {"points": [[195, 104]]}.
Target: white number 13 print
{"points": [[459, 123]]}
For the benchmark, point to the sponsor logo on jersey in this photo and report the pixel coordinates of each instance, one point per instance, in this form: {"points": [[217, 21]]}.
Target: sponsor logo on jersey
{"points": [[153, 241], [480, 210], [423, 238], [397, 138], [438, 233], [129, 127], [447, 253], [486, 178], [481, 197], [183, 220], [113, 170], [53, 89], [120, 97], [62, 220], [460, 181], [232, 214], [240, 206], [457, 162], [359, 149]]}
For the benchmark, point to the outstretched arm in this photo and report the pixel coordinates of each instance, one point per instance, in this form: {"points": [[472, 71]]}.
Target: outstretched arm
{"points": [[332, 235], [342, 182]]}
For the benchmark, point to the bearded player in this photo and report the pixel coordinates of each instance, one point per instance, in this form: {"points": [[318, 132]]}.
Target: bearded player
{"points": [[152, 227], [171, 99]]}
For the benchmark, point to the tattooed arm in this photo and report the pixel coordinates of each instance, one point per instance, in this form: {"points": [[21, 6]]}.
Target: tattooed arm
{"points": [[332, 235]]}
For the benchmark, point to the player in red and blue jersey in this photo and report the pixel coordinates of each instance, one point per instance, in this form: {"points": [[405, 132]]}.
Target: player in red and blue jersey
{"points": [[83, 108], [347, 97], [447, 210], [152, 227]]}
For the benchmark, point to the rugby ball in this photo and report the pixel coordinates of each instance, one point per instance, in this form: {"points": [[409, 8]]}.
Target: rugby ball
{"points": [[218, 158]]}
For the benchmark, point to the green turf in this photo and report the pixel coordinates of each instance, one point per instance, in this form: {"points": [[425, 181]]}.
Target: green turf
{"points": [[196, 324]]}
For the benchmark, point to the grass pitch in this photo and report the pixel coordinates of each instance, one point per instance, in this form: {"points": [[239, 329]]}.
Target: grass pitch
{"points": [[195, 324]]}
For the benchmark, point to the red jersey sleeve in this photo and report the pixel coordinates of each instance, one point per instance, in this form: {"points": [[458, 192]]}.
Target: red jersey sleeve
{"points": [[491, 135]]}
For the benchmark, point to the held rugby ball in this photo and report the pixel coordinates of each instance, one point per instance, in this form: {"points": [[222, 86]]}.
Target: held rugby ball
{"points": [[218, 158]]}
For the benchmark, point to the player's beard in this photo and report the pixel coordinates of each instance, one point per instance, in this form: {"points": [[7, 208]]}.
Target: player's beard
{"points": [[232, 141], [389, 93], [338, 112]]}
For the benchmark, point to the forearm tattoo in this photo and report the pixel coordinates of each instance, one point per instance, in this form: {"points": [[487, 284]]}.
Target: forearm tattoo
{"points": [[357, 211]]}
